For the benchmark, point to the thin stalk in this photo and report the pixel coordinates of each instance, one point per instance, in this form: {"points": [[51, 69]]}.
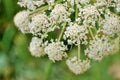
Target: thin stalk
{"points": [[76, 16], [76, 12], [62, 31], [78, 51], [91, 33], [40, 9]]}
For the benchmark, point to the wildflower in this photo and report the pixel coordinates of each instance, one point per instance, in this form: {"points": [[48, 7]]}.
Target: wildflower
{"points": [[83, 2], [101, 3], [90, 15], [78, 2], [21, 21], [76, 34], [98, 48], [56, 51], [31, 4], [39, 24], [59, 15], [36, 47], [111, 25], [118, 7], [92, 26], [78, 66]]}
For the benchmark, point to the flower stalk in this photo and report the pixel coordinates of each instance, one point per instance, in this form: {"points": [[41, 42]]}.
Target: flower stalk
{"points": [[62, 31], [79, 52], [91, 33]]}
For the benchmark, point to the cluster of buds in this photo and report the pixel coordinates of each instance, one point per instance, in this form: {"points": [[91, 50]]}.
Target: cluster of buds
{"points": [[91, 25]]}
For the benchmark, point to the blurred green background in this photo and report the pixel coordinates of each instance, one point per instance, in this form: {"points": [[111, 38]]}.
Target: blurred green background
{"points": [[16, 63]]}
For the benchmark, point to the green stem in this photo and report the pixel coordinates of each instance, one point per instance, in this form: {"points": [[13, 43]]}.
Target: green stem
{"points": [[40, 9], [78, 51], [76, 12], [62, 31], [76, 15], [91, 33]]}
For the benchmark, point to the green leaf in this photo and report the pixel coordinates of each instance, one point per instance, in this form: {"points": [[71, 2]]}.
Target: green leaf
{"points": [[8, 37], [9, 8]]}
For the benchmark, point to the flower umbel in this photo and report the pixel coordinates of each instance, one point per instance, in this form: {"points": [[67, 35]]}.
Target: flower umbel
{"points": [[36, 47], [78, 66], [56, 51], [91, 25]]}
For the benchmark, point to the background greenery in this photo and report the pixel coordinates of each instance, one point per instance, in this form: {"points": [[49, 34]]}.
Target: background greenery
{"points": [[16, 63]]}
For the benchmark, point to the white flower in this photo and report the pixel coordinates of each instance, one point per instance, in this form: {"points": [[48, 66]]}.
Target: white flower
{"points": [[78, 2], [21, 21], [39, 2], [72, 2], [78, 66], [59, 15], [111, 25], [93, 24], [85, 2], [115, 4], [117, 1], [39, 24], [88, 11], [118, 7], [98, 48], [50, 1], [31, 4], [100, 3], [90, 15], [36, 47], [56, 51], [76, 34]]}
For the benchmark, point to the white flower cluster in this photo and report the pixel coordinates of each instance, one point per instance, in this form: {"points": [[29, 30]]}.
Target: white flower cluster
{"points": [[93, 25], [39, 24], [100, 3], [36, 47], [56, 51], [89, 15], [22, 22], [78, 2], [116, 5], [111, 25], [33, 4], [76, 34], [59, 15], [77, 66], [99, 47]]}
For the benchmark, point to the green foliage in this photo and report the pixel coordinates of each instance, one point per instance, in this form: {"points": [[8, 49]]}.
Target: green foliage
{"points": [[8, 36], [16, 63]]}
